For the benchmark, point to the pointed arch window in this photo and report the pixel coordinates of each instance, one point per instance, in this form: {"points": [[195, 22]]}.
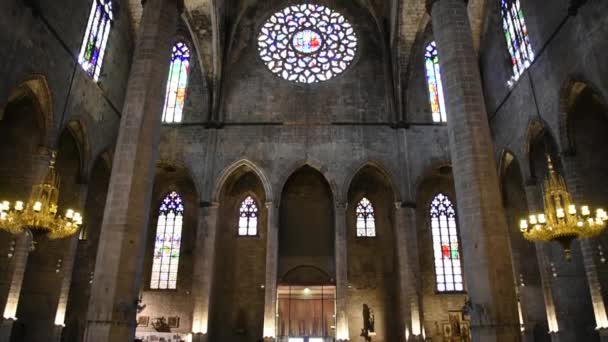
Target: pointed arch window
{"points": [[96, 37], [177, 83], [516, 34], [433, 77], [366, 222], [248, 218], [446, 245], [168, 242]]}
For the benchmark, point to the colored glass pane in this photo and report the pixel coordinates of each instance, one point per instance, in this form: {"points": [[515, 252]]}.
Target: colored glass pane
{"points": [[177, 83], [307, 43], [446, 246], [433, 75], [95, 39], [248, 218], [516, 35], [167, 243], [366, 223]]}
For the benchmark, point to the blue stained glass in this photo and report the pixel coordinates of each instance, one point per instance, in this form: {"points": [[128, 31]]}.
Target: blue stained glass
{"points": [[516, 35], [177, 84], [96, 37], [433, 75], [167, 243]]}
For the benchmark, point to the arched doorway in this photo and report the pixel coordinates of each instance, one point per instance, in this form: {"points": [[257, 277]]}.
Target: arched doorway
{"points": [[306, 292]]}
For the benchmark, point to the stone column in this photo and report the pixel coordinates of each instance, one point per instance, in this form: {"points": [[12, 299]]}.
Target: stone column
{"points": [[577, 189], [485, 238], [67, 270], [341, 273], [533, 197], [16, 272], [118, 268], [272, 264], [204, 261], [408, 268]]}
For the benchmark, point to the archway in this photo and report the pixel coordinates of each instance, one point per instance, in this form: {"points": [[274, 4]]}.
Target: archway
{"points": [[569, 284], [306, 242], [525, 262], [237, 307], [372, 267]]}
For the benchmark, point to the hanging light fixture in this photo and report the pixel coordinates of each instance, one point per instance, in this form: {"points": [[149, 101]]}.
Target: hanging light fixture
{"points": [[562, 221], [40, 211]]}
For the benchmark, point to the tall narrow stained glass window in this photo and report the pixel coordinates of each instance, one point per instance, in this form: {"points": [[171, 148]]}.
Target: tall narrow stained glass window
{"points": [[446, 246], [168, 243], [248, 218], [433, 76], [177, 83], [366, 223], [96, 37], [516, 35]]}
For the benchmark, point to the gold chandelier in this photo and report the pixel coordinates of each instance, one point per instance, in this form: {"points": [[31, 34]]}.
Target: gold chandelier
{"points": [[562, 221], [40, 212]]}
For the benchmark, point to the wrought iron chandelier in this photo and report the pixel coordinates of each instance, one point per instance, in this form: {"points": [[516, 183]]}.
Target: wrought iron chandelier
{"points": [[562, 221], [40, 211]]}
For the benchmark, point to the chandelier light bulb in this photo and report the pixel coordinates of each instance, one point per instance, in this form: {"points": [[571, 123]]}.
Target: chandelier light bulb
{"points": [[533, 220], [69, 213], [572, 209], [523, 225], [560, 213], [585, 211], [37, 206], [19, 206], [542, 219]]}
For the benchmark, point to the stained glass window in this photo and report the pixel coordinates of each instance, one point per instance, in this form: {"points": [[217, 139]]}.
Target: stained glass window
{"points": [[307, 43], [433, 76], [168, 242], [446, 246], [177, 83], [366, 223], [516, 35], [248, 218], [95, 38]]}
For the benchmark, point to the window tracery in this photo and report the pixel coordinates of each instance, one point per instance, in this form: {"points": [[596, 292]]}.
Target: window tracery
{"points": [[366, 222], [167, 243], [433, 77], [307, 43], [248, 218], [516, 34], [177, 83], [446, 245], [96, 37]]}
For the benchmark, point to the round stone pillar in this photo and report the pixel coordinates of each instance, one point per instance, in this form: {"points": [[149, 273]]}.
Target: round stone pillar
{"points": [[118, 267], [492, 303]]}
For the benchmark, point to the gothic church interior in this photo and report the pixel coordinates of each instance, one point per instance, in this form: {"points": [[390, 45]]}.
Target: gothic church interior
{"points": [[303, 170]]}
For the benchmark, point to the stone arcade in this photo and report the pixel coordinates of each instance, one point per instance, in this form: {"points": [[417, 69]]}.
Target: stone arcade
{"points": [[302, 171]]}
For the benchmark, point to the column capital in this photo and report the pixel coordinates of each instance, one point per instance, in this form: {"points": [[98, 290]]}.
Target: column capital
{"points": [[339, 205], [429, 4]]}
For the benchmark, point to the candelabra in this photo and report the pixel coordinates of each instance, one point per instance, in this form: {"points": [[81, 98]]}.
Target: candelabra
{"points": [[40, 211]]}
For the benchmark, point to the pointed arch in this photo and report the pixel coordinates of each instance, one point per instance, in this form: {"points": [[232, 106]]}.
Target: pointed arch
{"points": [[230, 170], [37, 88], [282, 180], [377, 166], [78, 131]]}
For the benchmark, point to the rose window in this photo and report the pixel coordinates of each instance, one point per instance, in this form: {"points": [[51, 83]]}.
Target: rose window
{"points": [[307, 43]]}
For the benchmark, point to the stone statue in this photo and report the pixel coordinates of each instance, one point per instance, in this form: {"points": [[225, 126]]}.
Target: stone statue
{"points": [[368, 323]]}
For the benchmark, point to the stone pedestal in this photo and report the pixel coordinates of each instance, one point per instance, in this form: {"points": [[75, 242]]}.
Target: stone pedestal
{"points": [[119, 263], [6, 330], [200, 337], [485, 241]]}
